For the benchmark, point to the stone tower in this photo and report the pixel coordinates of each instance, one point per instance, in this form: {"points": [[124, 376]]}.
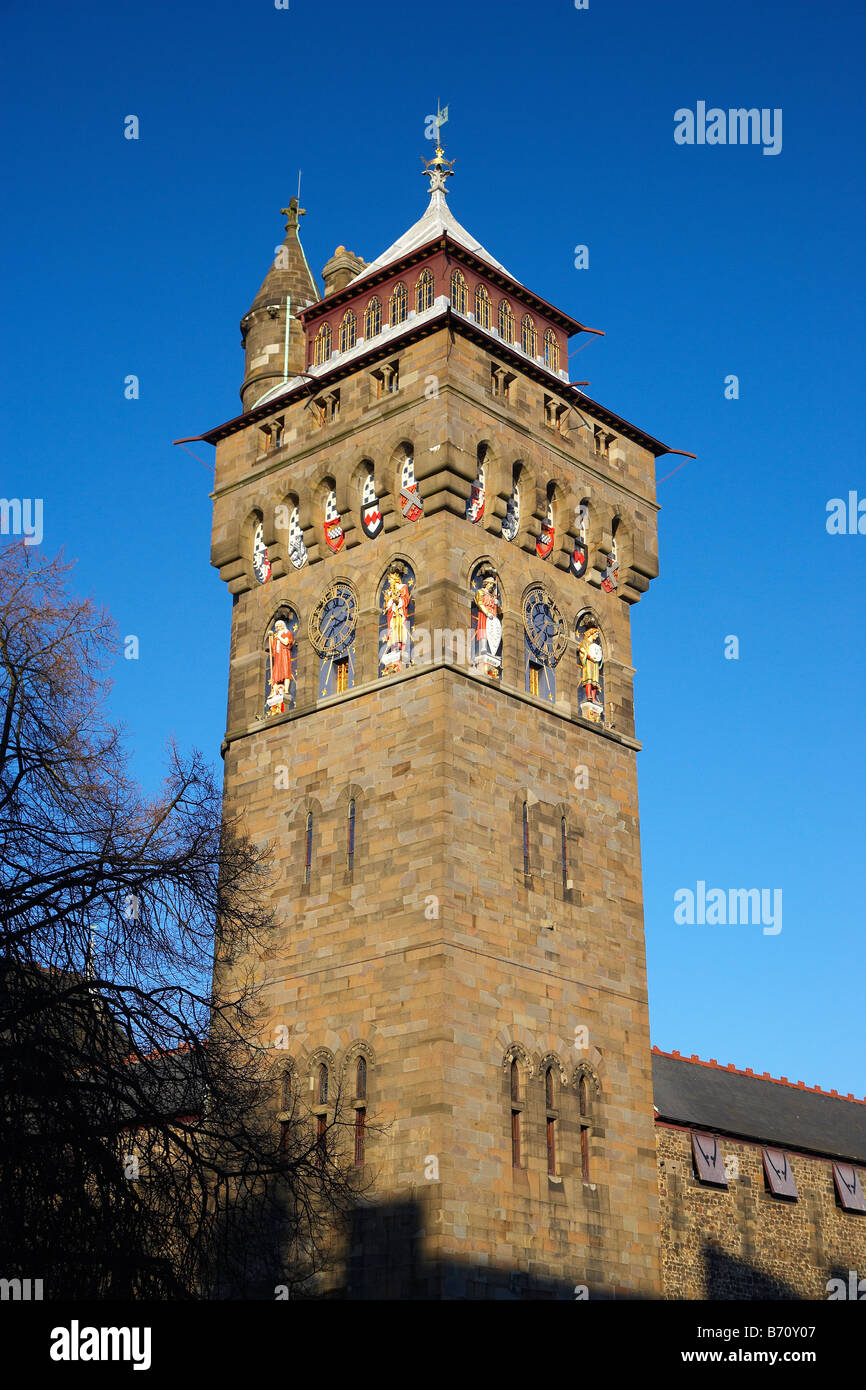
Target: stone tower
{"points": [[434, 541]]}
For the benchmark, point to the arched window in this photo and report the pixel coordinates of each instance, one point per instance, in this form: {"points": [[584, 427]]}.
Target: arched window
{"points": [[361, 1079], [550, 1105], [424, 291], [563, 851], [529, 336], [526, 863], [583, 1103], [322, 346], [511, 522], [308, 847], [350, 837], [551, 350], [516, 1108], [348, 331], [297, 547], [478, 493], [286, 1092], [360, 1135], [322, 1085], [610, 575], [398, 304], [506, 322], [261, 563], [579, 558], [373, 318], [482, 306], [458, 291]]}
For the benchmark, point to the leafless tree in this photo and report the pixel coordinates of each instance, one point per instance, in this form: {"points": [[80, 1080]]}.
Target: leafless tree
{"points": [[140, 1154]]}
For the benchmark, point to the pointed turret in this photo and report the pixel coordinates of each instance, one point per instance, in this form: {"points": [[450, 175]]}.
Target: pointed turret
{"points": [[271, 354]]}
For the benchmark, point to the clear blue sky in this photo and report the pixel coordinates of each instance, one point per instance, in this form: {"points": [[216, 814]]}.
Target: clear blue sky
{"points": [[141, 257]]}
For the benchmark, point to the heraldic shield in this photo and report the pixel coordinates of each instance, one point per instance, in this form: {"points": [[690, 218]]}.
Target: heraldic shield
{"points": [[544, 544], [610, 577], [334, 535], [411, 502], [511, 521], [579, 558], [371, 520], [297, 548], [475, 505], [371, 515]]}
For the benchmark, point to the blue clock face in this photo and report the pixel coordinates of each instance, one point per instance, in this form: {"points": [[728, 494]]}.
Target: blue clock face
{"points": [[544, 626], [332, 625]]}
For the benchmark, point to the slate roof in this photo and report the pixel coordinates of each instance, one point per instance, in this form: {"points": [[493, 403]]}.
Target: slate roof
{"points": [[438, 218], [703, 1095]]}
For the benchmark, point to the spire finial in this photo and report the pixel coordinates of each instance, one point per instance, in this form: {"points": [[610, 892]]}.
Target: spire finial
{"points": [[293, 212], [438, 169]]}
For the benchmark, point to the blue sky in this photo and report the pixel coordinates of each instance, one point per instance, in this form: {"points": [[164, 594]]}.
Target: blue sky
{"points": [[141, 256]]}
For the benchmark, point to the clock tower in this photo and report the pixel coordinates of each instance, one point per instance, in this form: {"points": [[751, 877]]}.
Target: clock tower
{"points": [[434, 541]]}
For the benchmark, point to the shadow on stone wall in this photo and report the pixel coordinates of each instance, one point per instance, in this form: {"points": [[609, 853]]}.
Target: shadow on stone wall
{"points": [[728, 1278], [386, 1261]]}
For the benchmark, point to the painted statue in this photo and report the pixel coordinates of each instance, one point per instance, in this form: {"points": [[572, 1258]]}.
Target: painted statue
{"points": [[590, 655], [280, 647], [396, 600], [488, 628]]}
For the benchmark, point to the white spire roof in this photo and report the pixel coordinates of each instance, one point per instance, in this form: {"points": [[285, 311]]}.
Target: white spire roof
{"points": [[437, 219]]}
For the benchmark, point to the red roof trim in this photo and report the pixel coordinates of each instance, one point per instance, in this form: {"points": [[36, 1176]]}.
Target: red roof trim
{"points": [[442, 241], [758, 1076]]}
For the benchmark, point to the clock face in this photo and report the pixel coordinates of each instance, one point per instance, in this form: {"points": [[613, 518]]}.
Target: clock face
{"points": [[544, 625], [332, 623]]}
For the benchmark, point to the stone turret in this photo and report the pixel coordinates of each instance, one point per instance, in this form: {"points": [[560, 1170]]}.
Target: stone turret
{"points": [[270, 356]]}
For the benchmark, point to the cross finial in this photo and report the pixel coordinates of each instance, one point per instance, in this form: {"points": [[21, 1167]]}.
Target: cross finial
{"points": [[293, 213]]}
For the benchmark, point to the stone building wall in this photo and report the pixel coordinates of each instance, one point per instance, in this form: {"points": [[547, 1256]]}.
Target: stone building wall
{"points": [[745, 1243]]}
